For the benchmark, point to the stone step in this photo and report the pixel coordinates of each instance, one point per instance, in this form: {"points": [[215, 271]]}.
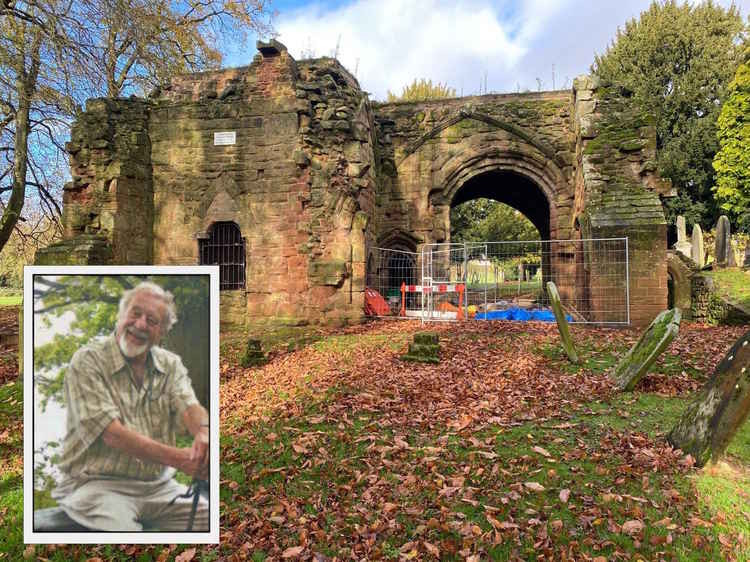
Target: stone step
{"points": [[426, 338]]}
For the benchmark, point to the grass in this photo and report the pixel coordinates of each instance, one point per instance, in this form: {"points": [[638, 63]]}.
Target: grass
{"points": [[11, 300], [733, 284], [577, 461], [353, 473]]}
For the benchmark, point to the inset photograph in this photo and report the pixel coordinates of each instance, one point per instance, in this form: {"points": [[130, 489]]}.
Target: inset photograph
{"points": [[121, 404]]}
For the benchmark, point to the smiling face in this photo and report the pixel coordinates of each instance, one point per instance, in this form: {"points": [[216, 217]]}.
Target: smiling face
{"points": [[142, 324]]}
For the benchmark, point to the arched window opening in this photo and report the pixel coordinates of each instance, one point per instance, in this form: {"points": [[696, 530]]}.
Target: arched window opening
{"points": [[400, 269], [225, 247]]}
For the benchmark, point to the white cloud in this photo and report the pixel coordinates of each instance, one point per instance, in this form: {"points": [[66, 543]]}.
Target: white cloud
{"points": [[389, 43]]}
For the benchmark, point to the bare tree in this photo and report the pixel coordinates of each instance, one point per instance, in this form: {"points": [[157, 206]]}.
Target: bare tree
{"points": [[54, 54]]}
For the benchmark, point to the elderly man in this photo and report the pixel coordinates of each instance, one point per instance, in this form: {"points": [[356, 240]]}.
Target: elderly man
{"points": [[125, 399]]}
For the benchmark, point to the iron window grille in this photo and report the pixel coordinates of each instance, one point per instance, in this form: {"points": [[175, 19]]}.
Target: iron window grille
{"points": [[225, 247]]}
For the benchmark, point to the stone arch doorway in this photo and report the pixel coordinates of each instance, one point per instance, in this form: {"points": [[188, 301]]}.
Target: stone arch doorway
{"points": [[521, 178], [512, 189]]}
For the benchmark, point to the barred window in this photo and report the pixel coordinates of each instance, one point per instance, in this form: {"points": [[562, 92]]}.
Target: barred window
{"points": [[225, 247]]}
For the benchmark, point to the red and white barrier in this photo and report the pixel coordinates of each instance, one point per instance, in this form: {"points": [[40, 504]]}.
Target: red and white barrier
{"points": [[436, 288]]}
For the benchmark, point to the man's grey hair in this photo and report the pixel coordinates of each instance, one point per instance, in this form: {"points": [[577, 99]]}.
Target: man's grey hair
{"points": [[154, 289]]}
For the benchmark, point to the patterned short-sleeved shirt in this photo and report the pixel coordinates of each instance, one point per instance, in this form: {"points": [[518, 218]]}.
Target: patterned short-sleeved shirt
{"points": [[99, 388]]}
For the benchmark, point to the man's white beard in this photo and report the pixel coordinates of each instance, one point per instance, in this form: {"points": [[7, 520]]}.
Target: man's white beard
{"points": [[129, 350]]}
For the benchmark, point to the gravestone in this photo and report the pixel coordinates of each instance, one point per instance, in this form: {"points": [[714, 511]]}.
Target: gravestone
{"points": [[733, 254], [708, 425], [746, 263], [253, 354], [722, 246], [682, 245], [697, 253], [424, 348], [650, 345], [562, 323]]}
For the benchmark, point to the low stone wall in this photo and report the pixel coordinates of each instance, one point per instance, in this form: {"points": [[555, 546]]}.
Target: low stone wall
{"points": [[708, 307]]}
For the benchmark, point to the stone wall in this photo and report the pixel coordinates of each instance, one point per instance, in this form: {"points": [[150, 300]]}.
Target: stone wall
{"points": [[708, 307], [315, 177], [110, 198], [429, 152], [617, 194]]}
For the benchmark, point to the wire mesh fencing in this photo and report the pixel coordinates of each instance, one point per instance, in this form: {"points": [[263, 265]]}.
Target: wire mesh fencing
{"points": [[388, 272], [591, 276], [503, 280]]}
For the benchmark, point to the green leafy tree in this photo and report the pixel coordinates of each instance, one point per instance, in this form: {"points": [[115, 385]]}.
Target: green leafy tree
{"points": [[485, 220], [675, 62], [93, 300], [732, 162], [421, 90]]}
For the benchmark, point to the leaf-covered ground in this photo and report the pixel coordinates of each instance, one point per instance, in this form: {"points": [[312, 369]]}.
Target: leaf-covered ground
{"points": [[504, 450]]}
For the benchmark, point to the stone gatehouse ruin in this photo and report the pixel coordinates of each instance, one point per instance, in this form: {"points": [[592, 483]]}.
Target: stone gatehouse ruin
{"points": [[288, 175]]}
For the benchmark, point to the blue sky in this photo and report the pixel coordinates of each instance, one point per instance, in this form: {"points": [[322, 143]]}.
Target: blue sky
{"points": [[512, 44]]}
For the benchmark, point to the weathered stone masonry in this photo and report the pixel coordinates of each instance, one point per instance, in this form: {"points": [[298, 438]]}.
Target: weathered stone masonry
{"points": [[318, 176]]}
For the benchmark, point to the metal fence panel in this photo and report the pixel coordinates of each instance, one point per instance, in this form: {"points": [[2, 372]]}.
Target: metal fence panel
{"points": [[454, 281], [388, 270]]}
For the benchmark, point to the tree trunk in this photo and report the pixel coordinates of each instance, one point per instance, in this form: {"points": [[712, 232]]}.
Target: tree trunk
{"points": [[708, 425], [25, 86]]}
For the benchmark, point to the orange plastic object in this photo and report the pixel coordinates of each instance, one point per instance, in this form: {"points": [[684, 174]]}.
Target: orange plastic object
{"points": [[460, 313], [402, 312], [375, 304]]}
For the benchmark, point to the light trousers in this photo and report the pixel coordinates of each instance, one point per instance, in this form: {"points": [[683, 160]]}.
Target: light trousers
{"points": [[131, 505]]}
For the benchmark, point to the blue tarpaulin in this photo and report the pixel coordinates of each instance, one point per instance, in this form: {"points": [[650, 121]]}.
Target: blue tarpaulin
{"points": [[521, 314]]}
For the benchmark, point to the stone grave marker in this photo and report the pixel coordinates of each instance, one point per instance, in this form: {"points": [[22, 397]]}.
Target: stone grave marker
{"points": [[682, 245], [562, 323], [732, 255], [722, 245], [746, 263], [697, 252], [650, 345], [709, 424], [253, 354], [424, 348]]}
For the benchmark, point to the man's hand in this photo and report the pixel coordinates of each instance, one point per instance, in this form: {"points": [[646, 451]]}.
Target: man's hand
{"points": [[199, 451], [191, 466]]}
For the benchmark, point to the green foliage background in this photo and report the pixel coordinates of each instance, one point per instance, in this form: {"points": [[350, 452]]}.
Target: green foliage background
{"points": [[675, 63], [732, 162], [421, 90], [485, 220], [94, 299]]}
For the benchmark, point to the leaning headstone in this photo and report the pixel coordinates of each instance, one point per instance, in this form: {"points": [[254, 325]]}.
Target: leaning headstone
{"points": [[722, 407], [642, 355], [697, 253], [682, 245], [722, 247], [253, 354], [424, 349], [562, 323]]}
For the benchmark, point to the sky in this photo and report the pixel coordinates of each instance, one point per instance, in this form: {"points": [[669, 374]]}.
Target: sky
{"points": [[474, 46]]}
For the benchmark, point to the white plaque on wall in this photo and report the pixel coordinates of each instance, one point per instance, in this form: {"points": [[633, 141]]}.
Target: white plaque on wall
{"points": [[225, 138]]}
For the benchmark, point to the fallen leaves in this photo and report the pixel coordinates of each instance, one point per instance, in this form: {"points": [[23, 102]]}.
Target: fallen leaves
{"points": [[354, 452], [541, 451], [292, 552], [632, 527]]}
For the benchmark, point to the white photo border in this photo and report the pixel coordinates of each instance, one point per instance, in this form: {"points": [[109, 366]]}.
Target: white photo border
{"points": [[34, 537]]}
